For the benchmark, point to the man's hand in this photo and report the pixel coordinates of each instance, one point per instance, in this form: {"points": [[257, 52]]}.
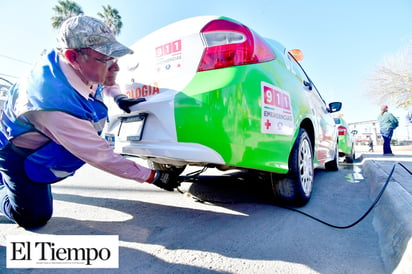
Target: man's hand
{"points": [[125, 102], [165, 180]]}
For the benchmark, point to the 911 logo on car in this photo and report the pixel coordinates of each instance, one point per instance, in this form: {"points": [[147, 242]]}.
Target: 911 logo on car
{"points": [[277, 116], [169, 48], [169, 55]]}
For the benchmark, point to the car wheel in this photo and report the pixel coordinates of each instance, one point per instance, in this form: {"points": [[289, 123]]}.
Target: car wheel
{"points": [[165, 167], [350, 158], [334, 164], [295, 188]]}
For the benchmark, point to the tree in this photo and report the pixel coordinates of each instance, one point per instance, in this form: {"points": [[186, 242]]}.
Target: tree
{"points": [[391, 80], [64, 10], [112, 18]]}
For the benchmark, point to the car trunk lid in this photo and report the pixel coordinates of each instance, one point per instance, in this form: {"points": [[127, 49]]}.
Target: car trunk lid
{"points": [[166, 59]]}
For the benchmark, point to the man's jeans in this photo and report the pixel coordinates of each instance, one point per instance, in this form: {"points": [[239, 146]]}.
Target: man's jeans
{"points": [[23, 201], [387, 137]]}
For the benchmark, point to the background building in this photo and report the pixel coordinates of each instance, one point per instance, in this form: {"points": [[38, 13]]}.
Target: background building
{"points": [[364, 130]]}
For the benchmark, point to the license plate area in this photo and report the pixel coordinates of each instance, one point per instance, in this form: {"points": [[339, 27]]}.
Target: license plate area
{"points": [[131, 127]]}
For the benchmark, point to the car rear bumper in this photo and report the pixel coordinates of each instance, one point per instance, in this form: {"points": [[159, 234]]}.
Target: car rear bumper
{"points": [[174, 153]]}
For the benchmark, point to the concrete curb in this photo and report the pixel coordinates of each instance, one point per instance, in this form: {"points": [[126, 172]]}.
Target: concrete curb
{"points": [[392, 218]]}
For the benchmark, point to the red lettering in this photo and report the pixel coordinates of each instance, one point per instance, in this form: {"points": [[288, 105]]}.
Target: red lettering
{"points": [[286, 102], [156, 89], [276, 98], [169, 48], [176, 46], [159, 51], [277, 101], [143, 91], [268, 95]]}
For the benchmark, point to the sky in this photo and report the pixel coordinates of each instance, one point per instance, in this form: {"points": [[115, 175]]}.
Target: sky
{"points": [[342, 41]]}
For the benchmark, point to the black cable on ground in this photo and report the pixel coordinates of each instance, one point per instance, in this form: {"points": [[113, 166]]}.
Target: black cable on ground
{"points": [[402, 165], [192, 176], [366, 213], [360, 219]]}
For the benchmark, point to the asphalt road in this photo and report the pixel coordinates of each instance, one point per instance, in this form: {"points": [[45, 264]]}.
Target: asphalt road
{"points": [[238, 231]]}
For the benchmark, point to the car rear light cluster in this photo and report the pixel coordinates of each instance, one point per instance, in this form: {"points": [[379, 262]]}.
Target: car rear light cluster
{"points": [[342, 130], [230, 43]]}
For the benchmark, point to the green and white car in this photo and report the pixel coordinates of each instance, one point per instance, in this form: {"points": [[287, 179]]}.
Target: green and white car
{"points": [[220, 95], [346, 144]]}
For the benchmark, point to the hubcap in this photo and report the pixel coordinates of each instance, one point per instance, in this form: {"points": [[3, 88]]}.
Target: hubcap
{"points": [[306, 167]]}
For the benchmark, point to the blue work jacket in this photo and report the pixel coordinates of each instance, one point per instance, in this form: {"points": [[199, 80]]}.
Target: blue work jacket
{"points": [[46, 88]]}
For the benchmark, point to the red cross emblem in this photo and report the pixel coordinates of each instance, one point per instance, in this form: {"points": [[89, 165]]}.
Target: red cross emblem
{"points": [[268, 124]]}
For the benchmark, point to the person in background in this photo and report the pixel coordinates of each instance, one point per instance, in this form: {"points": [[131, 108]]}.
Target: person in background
{"points": [[388, 123], [409, 116], [51, 122], [370, 144]]}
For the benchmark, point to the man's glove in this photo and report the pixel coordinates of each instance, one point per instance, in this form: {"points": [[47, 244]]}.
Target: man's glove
{"points": [[167, 181], [125, 102]]}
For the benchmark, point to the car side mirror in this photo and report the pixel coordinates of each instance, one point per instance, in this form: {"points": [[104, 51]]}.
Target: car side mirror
{"points": [[307, 84], [334, 107]]}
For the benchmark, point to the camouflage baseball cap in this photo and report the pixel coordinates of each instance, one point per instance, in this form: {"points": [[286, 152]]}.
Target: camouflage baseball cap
{"points": [[87, 32]]}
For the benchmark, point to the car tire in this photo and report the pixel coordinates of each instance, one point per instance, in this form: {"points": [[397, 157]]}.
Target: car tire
{"points": [[165, 167], [350, 158], [334, 164], [295, 188]]}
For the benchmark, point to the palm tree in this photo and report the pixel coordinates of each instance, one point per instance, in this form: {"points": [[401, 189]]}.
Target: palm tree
{"points": [[112, 18], [64, 9]]}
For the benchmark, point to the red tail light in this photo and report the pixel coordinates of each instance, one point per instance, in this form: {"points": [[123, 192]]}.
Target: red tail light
{"points": [[232, 44], [342, 130]]}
